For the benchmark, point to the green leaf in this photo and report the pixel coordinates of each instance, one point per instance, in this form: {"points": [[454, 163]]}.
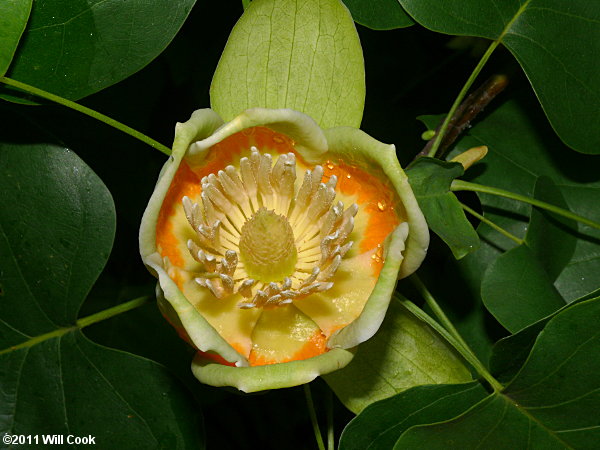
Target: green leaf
{"points": [[69, 385], [73, 48], [554, 401], [517, 290], [57, 224], [379, 14], [493, 423], [551, 237], [514, 162], [510, 353], [430, 180], [56, 231], [517, 287], [551, 385], [404, 353], [555, 42], [300, 55], [380, 425], [13, 18]]}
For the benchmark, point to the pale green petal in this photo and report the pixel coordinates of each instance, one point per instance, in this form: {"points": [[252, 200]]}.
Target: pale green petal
{"points": [[274, 376], [202, 124], [307, 135], [298, 54], [371, 317], [358, 148]]}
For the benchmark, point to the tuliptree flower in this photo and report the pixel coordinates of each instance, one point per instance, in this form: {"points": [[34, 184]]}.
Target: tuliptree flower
{"points": [[277, 245]]}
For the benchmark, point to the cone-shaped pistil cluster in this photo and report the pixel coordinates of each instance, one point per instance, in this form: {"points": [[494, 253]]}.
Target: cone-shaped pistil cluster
{"points": [[259, 236]]}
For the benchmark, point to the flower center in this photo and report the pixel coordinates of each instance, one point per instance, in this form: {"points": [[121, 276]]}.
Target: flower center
{"points": [[267, 246], [258, 235]]}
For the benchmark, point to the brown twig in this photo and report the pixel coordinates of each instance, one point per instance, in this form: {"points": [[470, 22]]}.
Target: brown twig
{"points": [[466, 112]]}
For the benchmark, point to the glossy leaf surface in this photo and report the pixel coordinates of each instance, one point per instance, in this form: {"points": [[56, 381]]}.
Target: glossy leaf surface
{"points": [[13, 18], [430, 180], [547, 405], [123, 400], [554, 41], [379, 14], [404, 353], [517, 288], [514, 162], [511, 352], [74, 48], [58, 223], [56, 232], [380, 425]]}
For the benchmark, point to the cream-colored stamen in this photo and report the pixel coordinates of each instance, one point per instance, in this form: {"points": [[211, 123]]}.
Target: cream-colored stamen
{"points": [[258, 236]]}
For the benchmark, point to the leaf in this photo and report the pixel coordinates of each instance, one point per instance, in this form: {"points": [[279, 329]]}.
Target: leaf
{"points": [[517, 290], [57, 226], [56, 230], [13, 18], [514, 162], [300, 55], [554, 402], [68, 385], [517, 287], [511, 352], [551, 385], [554, 41], [492, 423], [404, 353], [74, 48], [380, 425], [430, 180], [379, 14], [551, 237]]}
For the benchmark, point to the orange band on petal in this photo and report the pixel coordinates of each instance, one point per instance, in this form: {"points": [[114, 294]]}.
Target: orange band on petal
{"points": [[216, 358], [229, 149], [375, 198], [187, 183]]}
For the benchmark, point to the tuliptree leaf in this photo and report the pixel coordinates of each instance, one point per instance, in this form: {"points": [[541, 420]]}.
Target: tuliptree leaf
{"points": [[556, 43], [517, 288], [550, 403], [404, 353], [551, 237], [511, 352], [430, 180], [71, 386], [13, 18], [514, 162], [56, 231], [380, 425], [379, 14], [74, 48], [290, 54], [57, 224]]}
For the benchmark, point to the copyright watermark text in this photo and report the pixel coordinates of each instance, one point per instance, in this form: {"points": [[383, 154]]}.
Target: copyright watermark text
{"points": [[47, 439]]}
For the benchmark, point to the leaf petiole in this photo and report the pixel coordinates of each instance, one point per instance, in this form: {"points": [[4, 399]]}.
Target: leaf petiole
{"points": [[461, 185], [87, 111], [459, 98], [491, 224], [80, 323], [448, 332]]}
